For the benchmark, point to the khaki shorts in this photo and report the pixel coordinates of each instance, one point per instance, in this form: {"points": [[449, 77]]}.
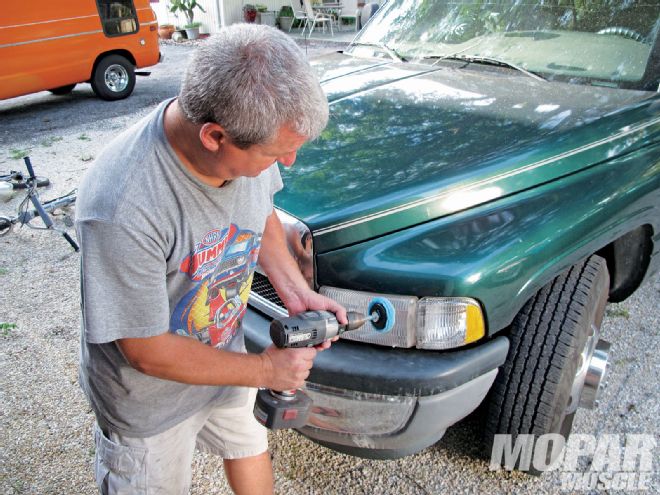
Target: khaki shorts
{"points": [[161, 464]]}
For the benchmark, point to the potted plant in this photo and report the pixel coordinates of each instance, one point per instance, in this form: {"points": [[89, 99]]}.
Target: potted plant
{"points": [[264, 16], [165, 31], [188, 8], [286, 17], [249, 12], [192, 30]]}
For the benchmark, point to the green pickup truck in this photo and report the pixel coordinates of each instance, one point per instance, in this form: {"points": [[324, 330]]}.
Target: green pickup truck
{"points": [[494, 170]]}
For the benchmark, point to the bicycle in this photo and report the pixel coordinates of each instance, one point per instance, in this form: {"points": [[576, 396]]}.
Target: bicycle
{"points": [[17, 180], [25, 215], [10, 182]]}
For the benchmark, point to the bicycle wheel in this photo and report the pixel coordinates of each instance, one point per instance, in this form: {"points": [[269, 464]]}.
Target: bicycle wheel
{"points": [[5, 226]]}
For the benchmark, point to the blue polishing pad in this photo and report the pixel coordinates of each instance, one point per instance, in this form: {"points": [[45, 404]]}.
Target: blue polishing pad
{"points": [[384, 305]]}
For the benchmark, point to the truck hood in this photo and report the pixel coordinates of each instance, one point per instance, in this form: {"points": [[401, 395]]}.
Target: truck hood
{"points": [[408, 143]]}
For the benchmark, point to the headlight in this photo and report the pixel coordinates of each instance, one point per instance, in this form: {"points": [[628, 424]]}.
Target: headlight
{"points": [[357, 413], [401, 335], [427, 323], [446, 322]]}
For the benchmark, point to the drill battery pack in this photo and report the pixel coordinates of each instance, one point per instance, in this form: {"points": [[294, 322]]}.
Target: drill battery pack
{"points": [[276, 410]]}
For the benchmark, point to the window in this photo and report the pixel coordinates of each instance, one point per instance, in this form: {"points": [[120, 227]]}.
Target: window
{"points": [[118, 17]]}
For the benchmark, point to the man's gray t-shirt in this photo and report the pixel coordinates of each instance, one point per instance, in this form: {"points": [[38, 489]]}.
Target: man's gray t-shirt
{"points": [[161, 251]]}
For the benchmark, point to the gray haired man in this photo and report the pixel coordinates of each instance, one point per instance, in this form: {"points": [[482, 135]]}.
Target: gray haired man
{"points": [[172, 218]]}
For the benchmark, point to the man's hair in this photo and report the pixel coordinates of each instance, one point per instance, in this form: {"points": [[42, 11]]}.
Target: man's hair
{"points": [[251, 80]]}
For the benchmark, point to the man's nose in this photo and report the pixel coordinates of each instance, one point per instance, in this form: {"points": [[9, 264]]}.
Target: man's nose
{"points": [[288, 159]]}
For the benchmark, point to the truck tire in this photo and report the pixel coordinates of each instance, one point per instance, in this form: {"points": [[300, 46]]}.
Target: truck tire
{"points": [[113, 78], [63, 90], [552, 345]]}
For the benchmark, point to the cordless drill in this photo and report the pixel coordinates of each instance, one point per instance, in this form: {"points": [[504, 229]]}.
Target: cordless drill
{"points": [[290, 408]]}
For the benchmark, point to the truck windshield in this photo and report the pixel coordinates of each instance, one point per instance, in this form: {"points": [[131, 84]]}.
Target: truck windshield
{"points": [[606, 42]]}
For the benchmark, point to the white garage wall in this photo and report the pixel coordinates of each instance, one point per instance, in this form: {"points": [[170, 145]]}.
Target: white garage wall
{"points": [[212, 19], [234, 8]]}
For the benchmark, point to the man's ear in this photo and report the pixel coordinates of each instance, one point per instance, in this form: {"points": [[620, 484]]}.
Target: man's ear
{"points": [[212, 136]]}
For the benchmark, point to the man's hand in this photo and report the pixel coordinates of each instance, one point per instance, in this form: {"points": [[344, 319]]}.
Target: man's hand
{"points": [[284, 273], [308, 300], [286, 369], [304, 299]]}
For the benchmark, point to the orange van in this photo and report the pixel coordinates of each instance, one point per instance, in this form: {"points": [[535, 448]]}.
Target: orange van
{"points": [[51, 45]]}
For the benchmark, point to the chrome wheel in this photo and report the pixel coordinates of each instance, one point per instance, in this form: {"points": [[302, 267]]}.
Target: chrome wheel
{"points": [[113, 78], [116, 78], [588, 382]]}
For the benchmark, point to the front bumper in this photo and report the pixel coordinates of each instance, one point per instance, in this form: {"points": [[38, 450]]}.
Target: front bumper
{"points": [[444, 386]]}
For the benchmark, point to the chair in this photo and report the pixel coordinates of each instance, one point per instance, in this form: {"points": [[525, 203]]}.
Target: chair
{"points": [[298, 15], [349, 11], [317, 17]]}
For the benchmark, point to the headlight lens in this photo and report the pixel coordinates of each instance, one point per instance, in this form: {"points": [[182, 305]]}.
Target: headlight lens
{"points": [[357, 413], [401, 335], [427, 323]]}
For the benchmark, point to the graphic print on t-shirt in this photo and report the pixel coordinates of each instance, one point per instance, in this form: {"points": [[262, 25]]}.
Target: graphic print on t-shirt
{"points": [[222, 265]]}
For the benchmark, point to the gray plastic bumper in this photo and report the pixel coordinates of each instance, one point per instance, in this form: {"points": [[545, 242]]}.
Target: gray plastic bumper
{"points": [[446, 386], [432, 416]]}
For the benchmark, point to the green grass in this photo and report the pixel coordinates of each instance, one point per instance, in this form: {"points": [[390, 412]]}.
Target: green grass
{"points": [[50, 140], [3, 271], [618, 313], [84, 137], [18, 154], [6, 329]]}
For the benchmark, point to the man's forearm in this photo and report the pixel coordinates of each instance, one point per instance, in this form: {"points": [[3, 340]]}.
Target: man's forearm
{"points": [[278, 263], [186, 360]]}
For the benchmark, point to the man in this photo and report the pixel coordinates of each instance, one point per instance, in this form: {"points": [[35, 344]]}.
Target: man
{"points": [[171, 219]]}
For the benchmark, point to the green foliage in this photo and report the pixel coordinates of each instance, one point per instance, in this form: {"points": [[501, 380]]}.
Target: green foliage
{"points": [[187, 7], [286, 11], [48, 142], [618, 312], [261, 7], [6, 329], [18, 154]]}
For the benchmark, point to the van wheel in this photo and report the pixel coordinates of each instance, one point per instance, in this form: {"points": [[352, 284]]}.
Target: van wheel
{"points": [[113, 78], [63, 90], [556, 359]]}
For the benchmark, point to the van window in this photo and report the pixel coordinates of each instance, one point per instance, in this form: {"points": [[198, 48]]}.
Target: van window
{"points": [[118, 17]]}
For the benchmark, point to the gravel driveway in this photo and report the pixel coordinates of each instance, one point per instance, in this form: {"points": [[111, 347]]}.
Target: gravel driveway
{"points": [[45, 422]]}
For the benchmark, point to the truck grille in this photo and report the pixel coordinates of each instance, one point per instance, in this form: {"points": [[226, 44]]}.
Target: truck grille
{"points": [[262, 291]]}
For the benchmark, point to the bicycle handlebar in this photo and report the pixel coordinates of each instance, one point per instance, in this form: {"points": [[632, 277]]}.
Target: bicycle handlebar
{"points": [[28, 164], [68, 238]]}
